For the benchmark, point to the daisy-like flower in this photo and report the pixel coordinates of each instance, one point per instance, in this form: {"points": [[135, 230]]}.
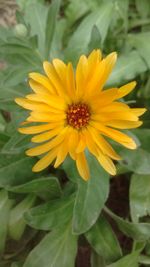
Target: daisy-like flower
{"points": [[74, 113]]}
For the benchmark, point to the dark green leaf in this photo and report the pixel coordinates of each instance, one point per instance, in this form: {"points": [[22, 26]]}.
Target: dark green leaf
{"points": [[97, 261], [90, 198], [95, 41], [58, 248], [51, 215], [48, 186], [103, 240]]}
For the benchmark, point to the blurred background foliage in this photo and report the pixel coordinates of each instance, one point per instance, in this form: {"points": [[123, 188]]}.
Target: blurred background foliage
{"points": [[35, 30]]}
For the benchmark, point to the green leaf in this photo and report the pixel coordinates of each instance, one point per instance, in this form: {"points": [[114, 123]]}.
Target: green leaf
{"points": [[37, 22], [58, 248], [139, 196], [129, 260], [15, 169], [16, 144], [90, 198], [51, 25], [17, 223], [103, 240], [5, 205], [51, 215], [127, 67], [144, 136], [137, 231], [141, 42], [95, 41], [80, 39], [132, 158], [49, 186]]}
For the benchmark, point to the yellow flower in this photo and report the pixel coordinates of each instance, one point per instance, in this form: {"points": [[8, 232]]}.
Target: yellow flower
{"points": [[74, 113]]}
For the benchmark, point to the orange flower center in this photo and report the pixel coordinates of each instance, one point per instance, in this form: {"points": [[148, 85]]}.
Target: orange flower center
{"points": [[78, 115]]}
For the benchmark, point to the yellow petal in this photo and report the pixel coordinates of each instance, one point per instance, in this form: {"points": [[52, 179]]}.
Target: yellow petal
{"points": [[48, 145], [107, 116], [126, 89], [32, 105], [104, 146], [45, 161], [55, 80], [81, 76], [117, 136], [46, 117], [70, 82], [107, 164], [38, 88], [37, 129], [138, 111], [47, 135], [82, 166], [94, 57], [103, 99], [81, 143], [52, 100], [110, 61], [73, 140], [62, 153], [124, 124], [37, 77]]}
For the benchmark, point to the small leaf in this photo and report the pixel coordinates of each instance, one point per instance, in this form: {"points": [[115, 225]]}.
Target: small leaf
{"points": [[49, 186], [103, 240], [51, 215], [90, 198], [129, 260], [58, 248], [137, 231], [17, 223]]}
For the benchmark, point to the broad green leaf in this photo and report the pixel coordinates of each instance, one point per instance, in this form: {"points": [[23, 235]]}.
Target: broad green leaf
{"points": [[137, 231], [103, 240], [15, 170], [5, 205], [80, 39], [17, 223], [51, 215], [97, 261], [130, 260], [49, 187], [58, 248], [136, 160], [127, 67], [35, 16], [51, 25], [141, 42], [90, 197], [139, 196]]}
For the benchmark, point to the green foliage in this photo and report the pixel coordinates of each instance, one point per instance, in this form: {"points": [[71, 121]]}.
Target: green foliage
{"points": [[45, 218]]}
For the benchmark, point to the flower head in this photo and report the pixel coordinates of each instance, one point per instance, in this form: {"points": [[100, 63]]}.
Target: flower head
{"points": [[73, 113]]}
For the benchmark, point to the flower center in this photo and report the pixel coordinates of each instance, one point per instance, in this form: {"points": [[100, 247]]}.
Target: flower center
{"points": [[78, 115]]}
